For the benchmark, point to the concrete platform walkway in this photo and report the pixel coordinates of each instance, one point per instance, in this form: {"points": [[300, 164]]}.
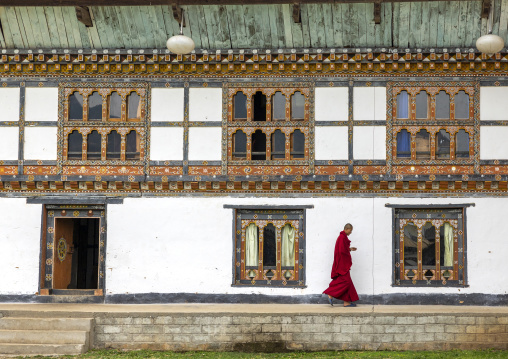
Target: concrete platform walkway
{"points": [[269, 327]]}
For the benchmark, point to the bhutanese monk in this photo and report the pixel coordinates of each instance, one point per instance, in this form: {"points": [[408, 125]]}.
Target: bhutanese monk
{"points": [[341, 286]]}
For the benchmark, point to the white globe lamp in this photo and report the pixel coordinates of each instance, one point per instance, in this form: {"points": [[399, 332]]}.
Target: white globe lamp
{"points": [[180, 44], [490, 44]]}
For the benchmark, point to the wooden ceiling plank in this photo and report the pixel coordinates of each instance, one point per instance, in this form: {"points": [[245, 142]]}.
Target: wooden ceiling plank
{"points": [[386, 23], [337, 10], [71, 26], [192, 15], [432, 26], [264, 18], [83, 33], [162, 37], [49, 14], [167, 16], [305, 26], [26, 38], [362, 17], [211, 27], [415, 24], [287, 18], [503, 19], [453, 37], [7, 35], [159, 36], [379, 28], [371, 25], [114, 25], [93, 32], [203, 28], [425, 30], [395, 24], [43, 26], [328, 24], [276, 28], [222, 17], [448, 25], [442, 12], [100, 26], [15, 27], [147, 28], [473, 22], [61, 31], [316, 25], [25, 21], [127, 27], [354, 30], [463, 25], [234, 25], [497, 16], [404, 29], [252, 27]]}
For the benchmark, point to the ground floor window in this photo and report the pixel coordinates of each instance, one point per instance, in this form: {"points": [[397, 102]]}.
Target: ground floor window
{"points": [[429, 246], [269, 247]]}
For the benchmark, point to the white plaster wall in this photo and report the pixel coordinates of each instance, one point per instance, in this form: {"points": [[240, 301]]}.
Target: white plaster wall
{"points": [[369, 142], [9, 104], [40, 143], [331, 104], [205, 143], [167, 104], [493, 144], [166, 144], [20, 238], [369, 103], [41, 104], [188, 247], [205, 104], [331, 142], [9, 143], [493, 103]]}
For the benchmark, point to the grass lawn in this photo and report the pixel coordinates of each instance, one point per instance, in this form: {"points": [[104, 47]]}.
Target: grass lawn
{"points": [[114, 354]]}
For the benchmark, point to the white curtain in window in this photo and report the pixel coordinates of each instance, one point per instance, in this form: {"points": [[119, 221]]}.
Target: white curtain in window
{"points": [[448, 238], [251, 245], [288, 246]]}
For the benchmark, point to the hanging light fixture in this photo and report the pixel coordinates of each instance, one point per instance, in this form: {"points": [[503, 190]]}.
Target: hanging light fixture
{"points": [[490, 43], [180, 44]]}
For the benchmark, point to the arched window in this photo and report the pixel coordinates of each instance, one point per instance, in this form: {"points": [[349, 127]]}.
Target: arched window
{"points": [[442, 145], [422, 105], [269, 246], [259, 106], [132, 146], [297, 106], [240, 106], [410, 245], [461, 105], [93, 147], [278, 145], [115, 106], [95, 106], [462, 144], [297, 145], [74, 145], [403, 144], [278, 106], [134, 106], [428, 244], [442, 105], [113, 146], [76, 106], [239, 145], [258, 146], [422, 145], [403, 105]]}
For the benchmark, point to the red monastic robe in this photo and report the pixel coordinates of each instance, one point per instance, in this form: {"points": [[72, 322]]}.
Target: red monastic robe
{"points": [[341, 286]]}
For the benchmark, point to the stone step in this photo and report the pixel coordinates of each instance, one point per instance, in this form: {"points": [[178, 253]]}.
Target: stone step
{"points": [[60, 324], [43, 337], [41, 349]]}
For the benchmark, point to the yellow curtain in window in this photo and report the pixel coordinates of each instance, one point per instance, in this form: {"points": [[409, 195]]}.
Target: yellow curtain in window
{"points": [[288, 246], [448, 238], [251, 245]]}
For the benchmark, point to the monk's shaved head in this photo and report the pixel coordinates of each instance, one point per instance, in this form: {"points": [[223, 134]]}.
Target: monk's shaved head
{"points": [[348, 226]]}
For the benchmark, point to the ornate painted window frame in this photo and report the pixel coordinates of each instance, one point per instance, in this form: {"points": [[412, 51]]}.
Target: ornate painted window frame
{"points": [[261, 216], [267, 167], [437, 215], [413, 125], [65, 126]]}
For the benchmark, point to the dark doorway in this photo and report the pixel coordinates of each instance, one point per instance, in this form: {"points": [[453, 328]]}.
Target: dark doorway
{"points": [[76, 253]]}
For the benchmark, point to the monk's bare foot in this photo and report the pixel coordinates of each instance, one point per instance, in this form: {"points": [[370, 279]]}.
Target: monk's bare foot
{"points": [[346, 304]]}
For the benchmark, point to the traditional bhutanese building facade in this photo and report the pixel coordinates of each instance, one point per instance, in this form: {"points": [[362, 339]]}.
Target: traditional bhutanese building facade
{"points": [[131, 174]]}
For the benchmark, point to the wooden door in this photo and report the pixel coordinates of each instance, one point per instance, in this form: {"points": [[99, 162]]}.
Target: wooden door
{"points": [[63, 250]]}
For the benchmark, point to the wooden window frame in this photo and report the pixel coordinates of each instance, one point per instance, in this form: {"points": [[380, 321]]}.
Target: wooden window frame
{"points": [[263, 216], [123, 126], [268, 127], [433, 125], [437, 215]]}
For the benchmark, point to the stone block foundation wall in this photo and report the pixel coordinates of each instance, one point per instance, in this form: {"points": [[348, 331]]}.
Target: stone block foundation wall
{"points": [[337, 330]]}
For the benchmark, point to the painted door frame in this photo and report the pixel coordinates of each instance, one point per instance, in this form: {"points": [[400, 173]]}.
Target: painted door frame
{"points": [[48, 243]]}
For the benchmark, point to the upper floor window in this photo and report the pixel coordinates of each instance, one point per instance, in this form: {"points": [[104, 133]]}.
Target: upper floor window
{"points": [[103, 123], [429, 246], [270, 247], [433, 122], [268, 124]]}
